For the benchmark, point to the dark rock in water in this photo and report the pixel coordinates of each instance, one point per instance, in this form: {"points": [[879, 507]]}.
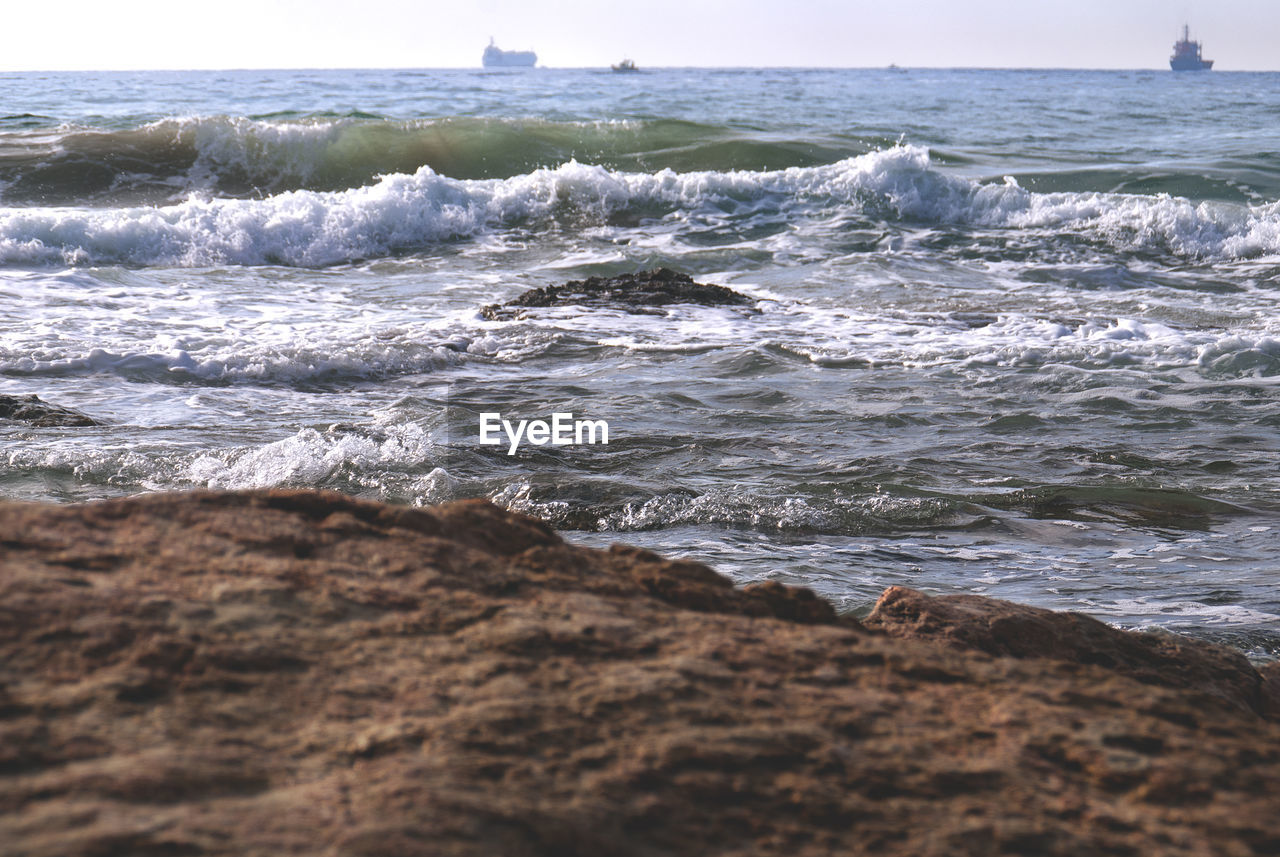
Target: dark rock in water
{"points": [[636, 293], [297, 673], [33, 410]]}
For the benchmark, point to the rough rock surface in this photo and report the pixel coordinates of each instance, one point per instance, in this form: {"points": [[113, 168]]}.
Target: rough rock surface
{"points": [[296, 673], [1015, 630], [637, 293], [37, 412]]}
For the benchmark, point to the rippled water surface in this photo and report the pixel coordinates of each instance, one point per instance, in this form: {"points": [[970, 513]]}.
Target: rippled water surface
{"points": [[1015, 333]]}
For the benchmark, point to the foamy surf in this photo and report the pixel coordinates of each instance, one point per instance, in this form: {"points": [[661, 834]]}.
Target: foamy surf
{"points": [[302, 365], [403, 213]]}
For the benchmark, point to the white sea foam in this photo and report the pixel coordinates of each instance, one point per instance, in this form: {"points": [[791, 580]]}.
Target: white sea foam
{"points": [[310, 458], [300, 349], [1153, 610], [283, 365], [743, 507], [1015, 339], [403, 212], [399, 462]]}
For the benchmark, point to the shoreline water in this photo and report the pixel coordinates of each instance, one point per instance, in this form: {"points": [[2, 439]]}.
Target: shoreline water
{"points": [[1056, 387]]}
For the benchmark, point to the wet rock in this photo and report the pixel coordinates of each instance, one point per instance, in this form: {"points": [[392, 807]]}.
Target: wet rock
{"points": [[37, 412], [642, 293], [299, 673], [1270, 673], [1014, 630]]}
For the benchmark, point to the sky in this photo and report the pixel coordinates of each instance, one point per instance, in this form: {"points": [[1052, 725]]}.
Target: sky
{"points": [[224, 34]]}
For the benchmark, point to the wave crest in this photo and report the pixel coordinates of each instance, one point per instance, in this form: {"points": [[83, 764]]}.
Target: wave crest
{"points": [[405, 212], [234, 156]]}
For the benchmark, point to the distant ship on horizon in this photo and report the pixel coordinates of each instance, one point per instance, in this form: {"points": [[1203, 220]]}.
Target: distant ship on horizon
{"points": [[1186, 54], [495, 57]]}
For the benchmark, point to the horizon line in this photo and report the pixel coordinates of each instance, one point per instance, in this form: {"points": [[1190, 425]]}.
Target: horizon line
{"points": [[517, 69]]}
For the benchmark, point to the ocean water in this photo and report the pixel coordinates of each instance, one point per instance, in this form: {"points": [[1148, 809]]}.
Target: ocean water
{"points": [[1016, 332]]}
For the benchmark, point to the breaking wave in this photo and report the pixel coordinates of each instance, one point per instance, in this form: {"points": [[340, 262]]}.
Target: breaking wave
{"points": [[229, 156], [408, 212]]}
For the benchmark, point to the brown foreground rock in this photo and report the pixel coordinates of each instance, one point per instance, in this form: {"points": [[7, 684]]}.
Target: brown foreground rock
{"points": [[1015, 630], [294, 673]]}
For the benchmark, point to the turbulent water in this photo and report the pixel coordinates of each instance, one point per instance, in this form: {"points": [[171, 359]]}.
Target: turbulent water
{"points": [[1016, 333]]}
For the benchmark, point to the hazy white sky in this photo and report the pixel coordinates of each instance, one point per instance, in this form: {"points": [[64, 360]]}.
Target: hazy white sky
{"points": [[133, 34]]}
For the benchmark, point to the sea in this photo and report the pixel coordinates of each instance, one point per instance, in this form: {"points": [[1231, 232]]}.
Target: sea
{"points": [[1013, 333]]}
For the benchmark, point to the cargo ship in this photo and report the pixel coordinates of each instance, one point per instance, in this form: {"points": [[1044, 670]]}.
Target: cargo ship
{"points": [[1186, 54], [495, 57]]}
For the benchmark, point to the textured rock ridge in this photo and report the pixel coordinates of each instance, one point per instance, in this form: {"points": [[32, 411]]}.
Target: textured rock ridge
{"points": [[297, 673], [1015, 630]]}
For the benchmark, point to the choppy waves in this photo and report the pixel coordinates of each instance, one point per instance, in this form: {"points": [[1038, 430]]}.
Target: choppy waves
{"points": [[297, 365], [409, 212], [866, 510]]}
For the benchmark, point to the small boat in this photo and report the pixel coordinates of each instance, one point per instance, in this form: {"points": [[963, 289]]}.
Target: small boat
{"points": [[1186, 54], [624, 66], [495, 57]]}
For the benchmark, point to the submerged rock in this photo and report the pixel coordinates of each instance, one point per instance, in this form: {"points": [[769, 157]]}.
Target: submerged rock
{"points": [[637, 293], [299, 673], [37, 412]]}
